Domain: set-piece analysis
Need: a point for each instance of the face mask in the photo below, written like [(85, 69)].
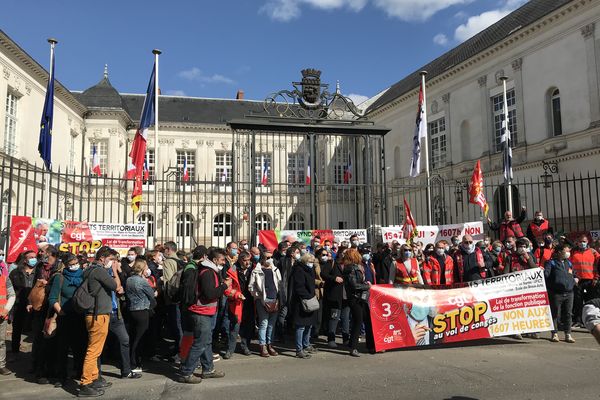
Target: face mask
[(355, 243), (233, 252), (567, 254), (327, 248), (366, 257), (309, 265), (548, 242), (497, 249), (407, 254), (1, 258), (419, 312), (270, 262), (256, 257), (297, 256), (303, 251), (469, 248), (74, 267), (440, 252), (539, 219), (455, 242), (32, 262), (131, 258), (447, 248), (108, 265), (542, 244), (509, 246), (147, 273), (583, 245), (316, 244), (282, 253), (521, 250), (324, 258), (245, 247), (486, 242)]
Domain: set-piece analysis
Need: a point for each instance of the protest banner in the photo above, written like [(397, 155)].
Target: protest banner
[(26, 233), (508, 304), (434, 233), (270, 239)]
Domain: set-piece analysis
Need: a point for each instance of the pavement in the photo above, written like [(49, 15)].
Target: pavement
[(499, 368)]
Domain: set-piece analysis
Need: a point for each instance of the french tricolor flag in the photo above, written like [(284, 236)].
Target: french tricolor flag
[(96, 162), (348, 171), (186, 172), (308, 171), (146, 170), (265, 172)]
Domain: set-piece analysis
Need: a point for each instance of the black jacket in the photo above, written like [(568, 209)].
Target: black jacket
[(334, 291), (303, 283), (356, 286), (560, 276), (286, 268), (101, 285), (382, 268)]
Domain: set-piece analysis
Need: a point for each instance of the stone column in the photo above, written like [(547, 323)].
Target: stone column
[(446, 100), (518, 77), (592, 47)]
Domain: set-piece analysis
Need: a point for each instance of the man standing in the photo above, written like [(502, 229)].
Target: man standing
[(171, 265), (585, 265), (7, 300), (199, 317), (509, 226), (468, 261), (538, 229), (561, 279)]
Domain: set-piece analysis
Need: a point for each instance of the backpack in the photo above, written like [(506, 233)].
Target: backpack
[(188, 287), (172, 286), (83, 300)]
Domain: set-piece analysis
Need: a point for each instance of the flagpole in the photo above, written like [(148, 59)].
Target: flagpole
[(426, 146), (46, 202), (508, 177), (156, 53)]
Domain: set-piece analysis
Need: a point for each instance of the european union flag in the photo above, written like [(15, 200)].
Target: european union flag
[(45, 144)]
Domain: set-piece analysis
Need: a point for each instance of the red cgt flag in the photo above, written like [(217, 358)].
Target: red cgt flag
[(409, 228), (476, 195)]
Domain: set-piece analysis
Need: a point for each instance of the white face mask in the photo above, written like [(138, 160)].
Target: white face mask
[(74, 267), (309, 265), (108, 265), (297, 256), (324, 258), (567, 254), (131, 258), (246, 247), (440, 252), (147, 273)]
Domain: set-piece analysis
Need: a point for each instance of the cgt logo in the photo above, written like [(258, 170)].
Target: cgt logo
[(459, 300)]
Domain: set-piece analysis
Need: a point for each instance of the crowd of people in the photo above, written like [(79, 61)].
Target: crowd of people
[(213, 303)]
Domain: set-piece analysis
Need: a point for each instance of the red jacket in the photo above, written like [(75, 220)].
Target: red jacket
[(234, 295), (585, 263), (432, 270), (543, 254)]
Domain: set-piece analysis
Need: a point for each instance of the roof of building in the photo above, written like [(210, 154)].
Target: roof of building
[(103, 94), (518, 19)]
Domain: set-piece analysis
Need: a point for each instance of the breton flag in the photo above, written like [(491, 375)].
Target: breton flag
[(409, 227), (348, 171), (476, 195), (264, 180), (96, 162), (420, 133), (506, 139), (308, 171), (186, 173), (138, 148), (45, 140)]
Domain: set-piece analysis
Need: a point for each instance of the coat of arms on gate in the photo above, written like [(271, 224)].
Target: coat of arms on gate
[(310, 88)]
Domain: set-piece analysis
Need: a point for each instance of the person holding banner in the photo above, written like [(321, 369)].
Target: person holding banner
[(405, 269), (357, 292), (438, 268), (521, 258), (561, 279)]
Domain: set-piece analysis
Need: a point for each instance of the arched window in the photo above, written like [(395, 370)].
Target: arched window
[(185, 225), (148, 220), (263, 222), (222, 225), (296, 222), (397, 163), (555, 113)]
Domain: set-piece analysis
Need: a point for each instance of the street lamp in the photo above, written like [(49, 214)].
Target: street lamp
[(458, 191), (550, 168)]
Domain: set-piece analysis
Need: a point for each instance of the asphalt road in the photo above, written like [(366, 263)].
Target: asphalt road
[(500, 368)]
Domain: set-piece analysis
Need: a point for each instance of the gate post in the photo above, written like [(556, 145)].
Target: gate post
[(313, 192), (368, 206)]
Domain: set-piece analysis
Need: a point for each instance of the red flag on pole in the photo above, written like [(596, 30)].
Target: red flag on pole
[(476, 195), (409, 228)]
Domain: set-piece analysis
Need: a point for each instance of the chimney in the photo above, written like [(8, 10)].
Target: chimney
[(239, 95)]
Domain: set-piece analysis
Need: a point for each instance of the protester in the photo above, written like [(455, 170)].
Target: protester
[(468, 261), (7, 300), (265, 283), (335, 303), (561, 279), (496, 254), (127, 262), (585, 265), (544, 250), (406, 270), (303, 283), (141, 301), (245, 268), (22, 279), (489, 259), (538, 229), (386, 263), (509, 226), (521, 258), (171, 265), (235, 302), (438, 267), (286, 268), (357, 290)]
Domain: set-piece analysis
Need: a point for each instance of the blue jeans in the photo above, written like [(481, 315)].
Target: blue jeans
[(116, 326), (234, 329), (302, 337), (174, 323), (201, 349), (266, 324), (336, 315)]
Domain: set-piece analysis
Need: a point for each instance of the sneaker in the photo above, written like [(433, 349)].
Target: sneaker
[(534, 335), (310, 349), (5, 371), (302, 354), (193, 379), (101, 384), (89, 391), (555, 338), (137, 370), (227, 355), (332, 345), (212, 374), (216, 357), (60, 383), (518, 337), (246, 351), (569, 338), (131, 375), (354, 353)]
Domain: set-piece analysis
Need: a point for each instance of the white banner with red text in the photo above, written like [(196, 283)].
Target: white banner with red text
[(434, 233)]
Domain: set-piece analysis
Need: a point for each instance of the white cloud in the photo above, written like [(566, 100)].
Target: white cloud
[(440, 39), (357, 98), (175, 92), (416, 10), (477, 23), (196, 74)]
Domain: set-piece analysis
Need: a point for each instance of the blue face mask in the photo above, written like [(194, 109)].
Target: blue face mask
[(419, 312), (256, 258), (234, 252), (1, 258), (407, 254), (366, 257), (32, 262)]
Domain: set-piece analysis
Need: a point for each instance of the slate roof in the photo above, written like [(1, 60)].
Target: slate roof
[(520, 18), (103, 94)]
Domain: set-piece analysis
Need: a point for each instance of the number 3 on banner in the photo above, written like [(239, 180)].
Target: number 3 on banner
[(387, 310)]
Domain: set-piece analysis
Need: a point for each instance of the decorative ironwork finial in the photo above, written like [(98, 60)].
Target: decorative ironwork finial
[(105, 71)]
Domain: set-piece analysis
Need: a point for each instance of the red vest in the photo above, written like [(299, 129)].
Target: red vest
[(461, 267), (543, 254), (205, 306), (510, 228), (405, 277), (539, 230), (583, 263), (3, 292), (432, 271)]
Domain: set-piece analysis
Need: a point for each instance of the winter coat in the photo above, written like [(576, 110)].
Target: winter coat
[(560, 276), (303, 283), (256, 286), (334, 292), (357, 288), (234, 294)]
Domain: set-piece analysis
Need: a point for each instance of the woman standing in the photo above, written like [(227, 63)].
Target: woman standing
[(70, 330), (264, 286), (335, 302), (357, 290), (303, 283), (140, 297), (22, 279)]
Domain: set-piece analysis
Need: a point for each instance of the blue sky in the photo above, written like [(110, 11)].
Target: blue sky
[(212, 48)]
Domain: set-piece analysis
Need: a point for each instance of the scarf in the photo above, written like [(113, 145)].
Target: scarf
[(73, 278)]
